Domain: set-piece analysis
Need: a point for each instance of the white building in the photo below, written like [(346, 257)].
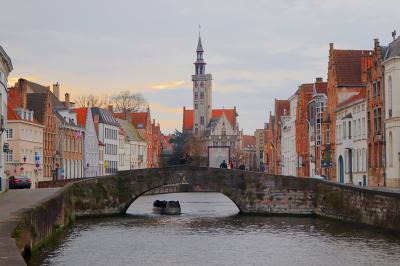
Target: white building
[(137, 146), (90, 144), (391, 65), (288, 141), (351, 140), (107, 128), (5, 69), (124, 150)]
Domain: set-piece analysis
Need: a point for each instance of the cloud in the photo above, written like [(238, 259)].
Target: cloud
[(157, 107), (168, 85)]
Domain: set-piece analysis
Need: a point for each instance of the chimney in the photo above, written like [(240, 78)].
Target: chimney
[(110, 108), (23, 86), (331, 46), (56, 90), (319, 80), (66, 102)]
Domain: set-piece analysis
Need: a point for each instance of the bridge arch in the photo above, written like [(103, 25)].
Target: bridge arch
[(252, 192)]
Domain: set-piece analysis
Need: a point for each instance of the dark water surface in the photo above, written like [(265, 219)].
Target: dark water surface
[(210, 233)]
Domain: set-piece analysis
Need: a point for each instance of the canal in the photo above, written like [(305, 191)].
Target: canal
[(209, 232)]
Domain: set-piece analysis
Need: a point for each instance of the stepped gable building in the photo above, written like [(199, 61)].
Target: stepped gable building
[(347, 76), (282, 107), (375, 117), (216, 127), (391, 72)]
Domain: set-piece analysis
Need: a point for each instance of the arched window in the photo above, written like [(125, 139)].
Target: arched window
[(390, 96), (390, 149)]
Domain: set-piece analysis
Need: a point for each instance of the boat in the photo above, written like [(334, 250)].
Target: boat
[(167, 207)]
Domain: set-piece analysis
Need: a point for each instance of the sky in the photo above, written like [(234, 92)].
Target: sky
[(256, 50)]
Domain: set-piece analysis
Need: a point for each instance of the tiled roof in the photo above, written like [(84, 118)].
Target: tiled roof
[(361, 95), (347, 65), (248, 141), (321, 87), (37, 88), (140, 119), (105, 116), (37, 103), (393, 49), (188, 117), (11, 114), (81, 115), (130, 131), (280, 106)]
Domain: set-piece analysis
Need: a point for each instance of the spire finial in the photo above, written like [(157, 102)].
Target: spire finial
[(199, 30)]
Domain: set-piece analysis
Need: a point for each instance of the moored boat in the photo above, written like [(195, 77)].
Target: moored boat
[(167, 207)]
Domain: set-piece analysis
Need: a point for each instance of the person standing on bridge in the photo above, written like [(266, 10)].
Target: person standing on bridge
[(223, 164)]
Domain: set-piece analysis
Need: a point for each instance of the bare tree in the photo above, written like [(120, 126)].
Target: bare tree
[(92, 101), (195, 148), (238, 157), (129, 101)]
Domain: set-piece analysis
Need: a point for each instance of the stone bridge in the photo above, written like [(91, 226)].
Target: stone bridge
[(253, 193)]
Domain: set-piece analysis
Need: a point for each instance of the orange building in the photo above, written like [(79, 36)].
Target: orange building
[(375, 118), (272, 151), (347, 76)]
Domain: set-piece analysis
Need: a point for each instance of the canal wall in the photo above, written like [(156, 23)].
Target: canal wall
[(253, 193)]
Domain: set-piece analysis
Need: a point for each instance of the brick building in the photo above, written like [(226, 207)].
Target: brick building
[(375, 112), (347, 75)]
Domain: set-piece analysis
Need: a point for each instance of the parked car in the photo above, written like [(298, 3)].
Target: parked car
[(15, 182)]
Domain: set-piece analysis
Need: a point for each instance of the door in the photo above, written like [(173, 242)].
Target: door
[(341, 169)]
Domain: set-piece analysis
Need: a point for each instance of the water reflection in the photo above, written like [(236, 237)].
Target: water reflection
[(209, 231)]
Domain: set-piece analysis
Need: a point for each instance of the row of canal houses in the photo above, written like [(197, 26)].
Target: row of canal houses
[(347, 128), (46, 138)]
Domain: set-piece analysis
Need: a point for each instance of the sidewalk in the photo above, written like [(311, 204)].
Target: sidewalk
[(12, 203)]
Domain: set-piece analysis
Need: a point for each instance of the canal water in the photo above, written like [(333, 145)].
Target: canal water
[(209, 232)]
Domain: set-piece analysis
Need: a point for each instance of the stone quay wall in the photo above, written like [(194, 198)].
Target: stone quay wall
[(253, 193)]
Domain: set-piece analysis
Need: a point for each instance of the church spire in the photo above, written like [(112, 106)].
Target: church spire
[(200, 64)]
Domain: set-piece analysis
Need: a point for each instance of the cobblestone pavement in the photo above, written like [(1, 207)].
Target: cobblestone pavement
[(13, 203)]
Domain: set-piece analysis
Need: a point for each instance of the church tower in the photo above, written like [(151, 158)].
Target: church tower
[(202, 93)]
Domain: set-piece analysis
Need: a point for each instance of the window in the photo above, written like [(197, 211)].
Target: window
[(368, 122), (9, 156), (349, 129), (201, 120), (328, 134), (10, 133), (202, 95), (195, 95), (196, 106), (223, 132)]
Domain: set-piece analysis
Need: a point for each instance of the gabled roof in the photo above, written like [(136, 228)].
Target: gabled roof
[(81, 116), (248, 141), (188, 117), (105, 116), (140, 119), (280, 107), (37, 103), (37, 88), (362, 95), (130, 131), (393, 49), (348, 66), (11, 114)]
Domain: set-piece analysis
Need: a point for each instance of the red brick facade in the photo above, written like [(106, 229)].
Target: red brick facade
[(375, 116)]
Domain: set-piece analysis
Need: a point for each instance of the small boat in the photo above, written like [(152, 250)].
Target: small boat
[(167, 207)]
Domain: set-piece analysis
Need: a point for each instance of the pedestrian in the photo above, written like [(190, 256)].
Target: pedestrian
[(230, 165), (223, 165)]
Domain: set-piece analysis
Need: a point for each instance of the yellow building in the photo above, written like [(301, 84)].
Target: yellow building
[(25, 139)]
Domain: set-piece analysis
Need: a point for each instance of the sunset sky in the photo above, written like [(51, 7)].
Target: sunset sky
[(255, 50)]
